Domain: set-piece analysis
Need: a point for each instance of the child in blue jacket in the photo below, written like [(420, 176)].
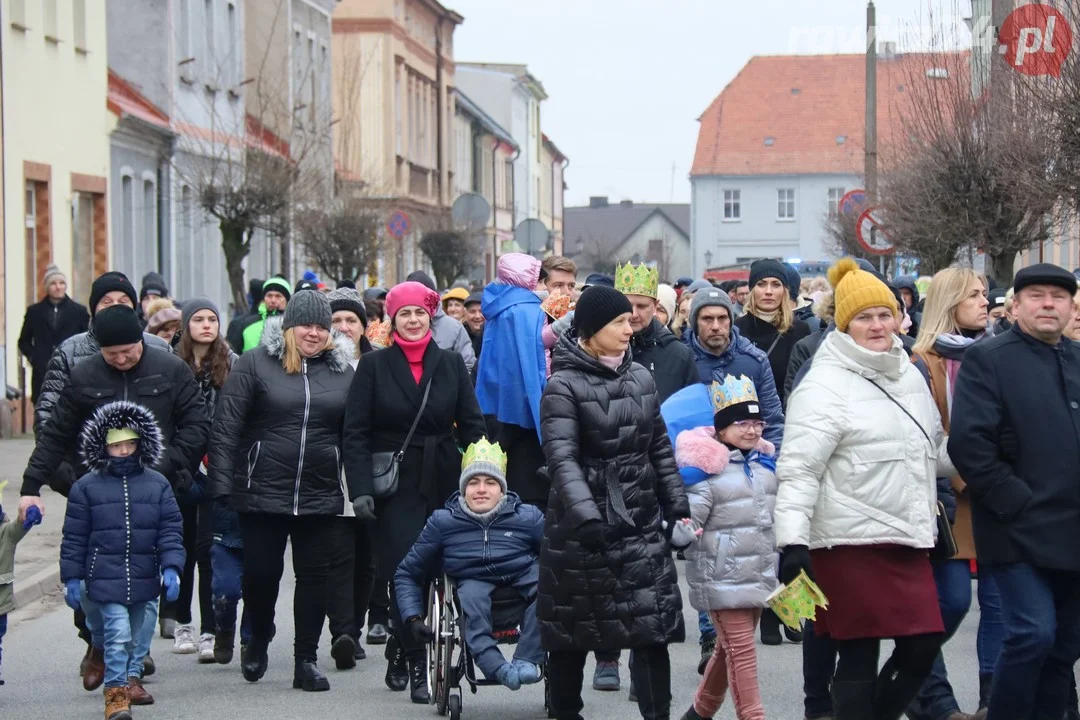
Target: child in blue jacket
[(123, 537), (484, 538)]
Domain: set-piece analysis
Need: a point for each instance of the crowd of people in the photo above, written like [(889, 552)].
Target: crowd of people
[(877, 435)]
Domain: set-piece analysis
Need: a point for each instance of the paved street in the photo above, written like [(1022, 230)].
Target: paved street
[(41, 655)]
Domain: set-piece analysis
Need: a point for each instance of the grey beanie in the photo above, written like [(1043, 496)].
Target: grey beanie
[(193, 306), (481, 468), (307, 307), (348, 299), (713, 297), (698, 285)]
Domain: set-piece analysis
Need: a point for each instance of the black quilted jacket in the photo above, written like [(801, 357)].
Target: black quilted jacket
[(609, 459), (275, 445)]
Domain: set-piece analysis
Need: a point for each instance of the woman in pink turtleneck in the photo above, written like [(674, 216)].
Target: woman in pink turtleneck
[(408, 306)]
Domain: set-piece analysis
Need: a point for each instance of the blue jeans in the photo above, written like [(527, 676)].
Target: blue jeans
[(119, 628), (227, 581), (475, 599), (991, 631), (953, 578), (3, 632), (705, 627), (1041, 611)]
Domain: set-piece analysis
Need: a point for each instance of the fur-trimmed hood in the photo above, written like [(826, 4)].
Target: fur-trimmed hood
[(699, 448), (273, 339), (121, 414)]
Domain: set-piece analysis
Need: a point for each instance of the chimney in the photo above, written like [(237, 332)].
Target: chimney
[(890, 52), (598, 201), (626, 203)]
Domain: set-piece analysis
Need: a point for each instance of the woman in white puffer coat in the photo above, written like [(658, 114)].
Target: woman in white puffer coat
[(856, 507)]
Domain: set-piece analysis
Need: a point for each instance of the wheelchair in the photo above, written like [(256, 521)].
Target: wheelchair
[(449, 660)]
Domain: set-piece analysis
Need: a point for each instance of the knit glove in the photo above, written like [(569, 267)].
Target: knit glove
[(420, 631), (364, 506), (184, 481), (33, 517), (560, 326), (681, 534), (171, 580), (796, 558), (73, 593), (591, 535), (63, 479)]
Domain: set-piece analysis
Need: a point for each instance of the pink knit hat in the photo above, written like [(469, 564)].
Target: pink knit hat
[(411, 293)]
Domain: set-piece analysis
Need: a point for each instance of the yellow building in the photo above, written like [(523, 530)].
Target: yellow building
[(56, 161), (393, 71)]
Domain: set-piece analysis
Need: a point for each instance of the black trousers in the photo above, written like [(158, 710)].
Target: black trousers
[(651, 672), (399, 521), (353, 574), (198, 553), (315, 540), (857, 660)]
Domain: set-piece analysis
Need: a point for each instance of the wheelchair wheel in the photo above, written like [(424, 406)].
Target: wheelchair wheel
[(455, 707), (434, 671), (547, 699)]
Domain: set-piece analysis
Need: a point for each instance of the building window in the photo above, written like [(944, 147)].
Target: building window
[(785, 204), (17, 11), (732, 205), (312, 99), (185, 249), (834, 197), (82, 243), (397, 109), (79, 35), (149, 229), (235, 49), (211, 53), (298, 66), (127, 219), (49, 21), (508, 180)]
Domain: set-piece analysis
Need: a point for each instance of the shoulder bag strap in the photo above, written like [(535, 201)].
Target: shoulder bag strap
[(899, 405), (415, 422), (768, 353)]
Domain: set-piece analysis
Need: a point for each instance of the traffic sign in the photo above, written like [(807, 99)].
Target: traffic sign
[(853, 202), (869, 232), (399, 225)]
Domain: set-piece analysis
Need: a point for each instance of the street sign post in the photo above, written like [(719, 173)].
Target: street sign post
[(853, 202), (869, 232), (399, 225)]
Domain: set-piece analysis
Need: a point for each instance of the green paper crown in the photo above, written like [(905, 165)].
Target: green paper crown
[(732, 392), (798, 601), (483, 451), (640, 280)]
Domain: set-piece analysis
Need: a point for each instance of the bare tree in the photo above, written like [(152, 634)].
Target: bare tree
[(452, 255), (840, 236), (342, 241)]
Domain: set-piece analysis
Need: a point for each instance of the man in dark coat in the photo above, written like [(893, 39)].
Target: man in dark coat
[(654, 347), (474, 322), (235, 333), (49, 323), (1015, 439)]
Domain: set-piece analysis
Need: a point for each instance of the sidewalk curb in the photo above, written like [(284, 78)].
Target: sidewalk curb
[(36, 586)]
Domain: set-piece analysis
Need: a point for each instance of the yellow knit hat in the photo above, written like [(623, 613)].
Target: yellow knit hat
[(856, 290)]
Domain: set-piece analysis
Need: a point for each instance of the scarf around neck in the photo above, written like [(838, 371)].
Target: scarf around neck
[(952, 347), (414, 353)]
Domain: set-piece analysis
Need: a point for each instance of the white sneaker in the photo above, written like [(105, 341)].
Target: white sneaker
[(206, 648), (184, 644)]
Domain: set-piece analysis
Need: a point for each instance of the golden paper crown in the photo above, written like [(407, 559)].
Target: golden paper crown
[(378, 333), (732, 391), (486, 452), (640, 280)]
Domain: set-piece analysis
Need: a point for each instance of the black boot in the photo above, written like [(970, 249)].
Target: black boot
[(794, 636), (895, 689), (418, 680), (255, 660), (397, 676), (344, 652), (770, 629), (853, 700), (986, 680), (691, 714), (223, 646), (307, 677)]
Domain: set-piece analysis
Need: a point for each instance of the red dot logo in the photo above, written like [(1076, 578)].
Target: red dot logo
[(1036, 40)]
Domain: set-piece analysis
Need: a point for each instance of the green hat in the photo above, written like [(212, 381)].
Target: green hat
[(120, 435)]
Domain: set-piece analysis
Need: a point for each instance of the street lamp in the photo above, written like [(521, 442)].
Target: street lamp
[(708, 259)]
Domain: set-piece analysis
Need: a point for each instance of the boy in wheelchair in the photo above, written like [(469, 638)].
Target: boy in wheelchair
[(484, 538)]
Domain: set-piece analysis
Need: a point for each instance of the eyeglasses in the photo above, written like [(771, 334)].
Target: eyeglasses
[(748, 425)]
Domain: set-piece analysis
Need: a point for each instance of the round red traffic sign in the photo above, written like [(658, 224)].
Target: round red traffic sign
[(399, 225), (853, 202), (869, 233)]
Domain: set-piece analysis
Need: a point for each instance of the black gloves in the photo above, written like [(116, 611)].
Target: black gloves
[(420, 630), (63, 479), (796, 558), (591, 535), (364, 507), (184, 481)]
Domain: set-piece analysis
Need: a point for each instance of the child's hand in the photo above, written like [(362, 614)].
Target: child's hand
[(73, 593), (683, 534), (33, 517), (171, 580)]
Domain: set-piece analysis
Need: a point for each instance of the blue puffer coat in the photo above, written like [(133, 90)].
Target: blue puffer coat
[(742, 357), (121, 532), (465, 549)]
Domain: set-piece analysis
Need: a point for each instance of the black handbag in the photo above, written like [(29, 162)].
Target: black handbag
[(384, 465), (945, 547)]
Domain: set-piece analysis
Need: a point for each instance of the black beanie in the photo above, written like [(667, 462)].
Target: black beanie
[(762, 269), (255, 290), (106, 283), (423, 278), (596, 307), (117, 325)]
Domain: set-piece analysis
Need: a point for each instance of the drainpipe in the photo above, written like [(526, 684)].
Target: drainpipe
[(439, 105), (562, 202), (513, 190)]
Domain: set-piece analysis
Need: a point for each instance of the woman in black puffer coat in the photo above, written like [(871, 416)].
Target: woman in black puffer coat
[(607, 580), (276, 455)]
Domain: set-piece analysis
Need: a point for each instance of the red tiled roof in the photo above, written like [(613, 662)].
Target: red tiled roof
[(805, 102), (124, 99)]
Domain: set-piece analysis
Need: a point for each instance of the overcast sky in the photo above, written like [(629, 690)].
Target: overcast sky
[(627, 79)]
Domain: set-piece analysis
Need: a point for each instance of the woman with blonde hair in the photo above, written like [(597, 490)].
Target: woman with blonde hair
[(955, 317), (682, 313), (275, 457)]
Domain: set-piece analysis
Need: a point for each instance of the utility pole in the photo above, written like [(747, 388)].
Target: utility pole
[(870, 168)]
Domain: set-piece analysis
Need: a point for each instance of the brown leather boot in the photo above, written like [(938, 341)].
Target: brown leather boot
[(94, 673), (117, 705), (137, 693)]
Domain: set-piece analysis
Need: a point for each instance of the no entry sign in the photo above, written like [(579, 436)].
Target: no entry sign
[(870, 235)]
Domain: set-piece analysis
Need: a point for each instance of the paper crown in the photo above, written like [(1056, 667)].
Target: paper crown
[(557, 305), (485, 452), (378, 333), (640, 280), (733, 391)]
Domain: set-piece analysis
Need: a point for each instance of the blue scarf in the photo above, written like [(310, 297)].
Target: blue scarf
[(125, 466)]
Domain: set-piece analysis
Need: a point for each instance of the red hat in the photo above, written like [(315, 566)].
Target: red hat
[(411, 293)]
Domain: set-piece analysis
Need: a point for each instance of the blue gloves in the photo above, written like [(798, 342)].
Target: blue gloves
[(171, 580), (33, 517), (73, 593)]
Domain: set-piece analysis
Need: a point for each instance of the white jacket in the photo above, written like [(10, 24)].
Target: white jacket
[(854, 469)]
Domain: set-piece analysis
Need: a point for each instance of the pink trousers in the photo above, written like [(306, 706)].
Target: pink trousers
[(733, 665)]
